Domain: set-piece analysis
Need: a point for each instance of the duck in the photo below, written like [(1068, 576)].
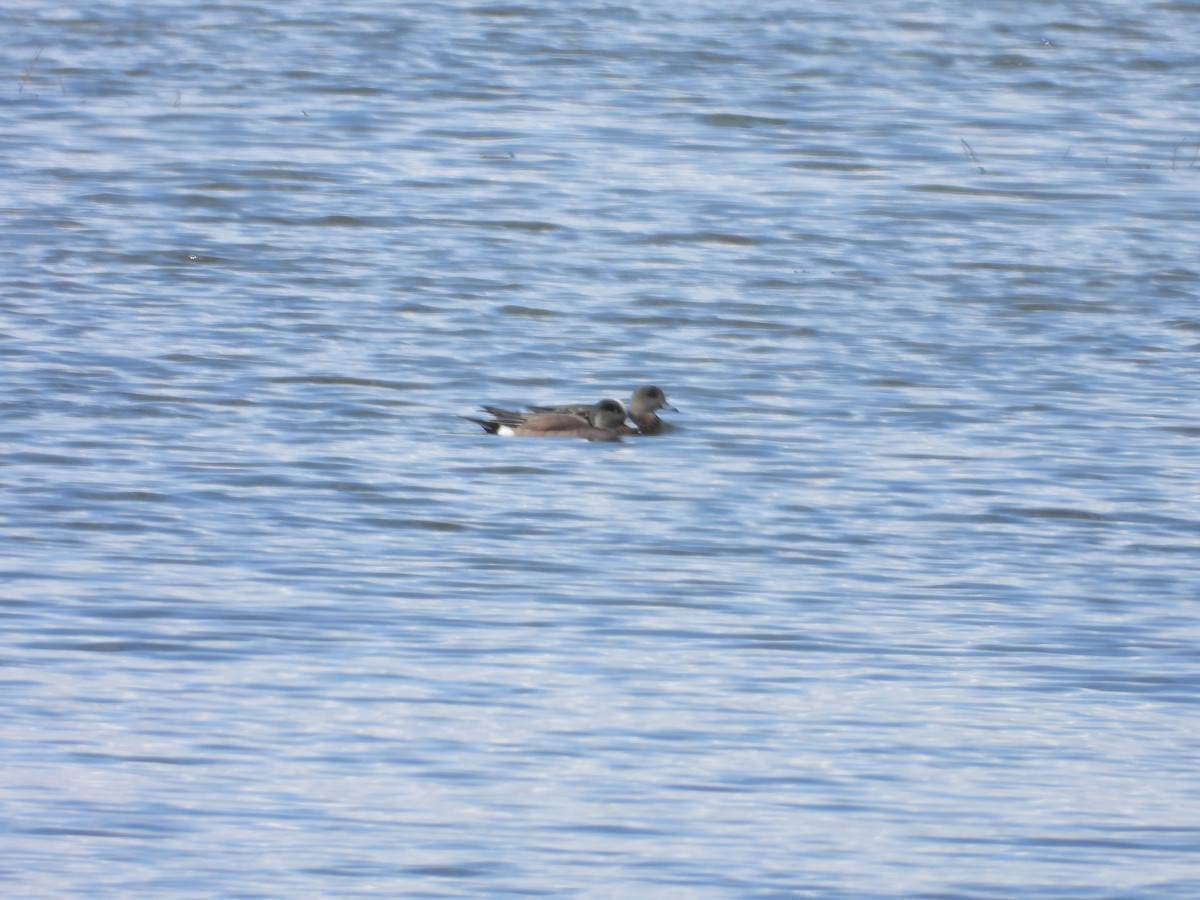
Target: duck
[(643, 408), (600, 422)]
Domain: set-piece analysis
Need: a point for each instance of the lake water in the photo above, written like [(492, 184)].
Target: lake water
[(906, 605)]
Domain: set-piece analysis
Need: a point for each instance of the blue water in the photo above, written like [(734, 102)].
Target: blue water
[(905, 605)]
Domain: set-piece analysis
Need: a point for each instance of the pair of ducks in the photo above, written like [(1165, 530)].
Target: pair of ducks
[(605, 421)]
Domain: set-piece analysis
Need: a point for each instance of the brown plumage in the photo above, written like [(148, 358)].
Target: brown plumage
[(643, 406), (599, 424)]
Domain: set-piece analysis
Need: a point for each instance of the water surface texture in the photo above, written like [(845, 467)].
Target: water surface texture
[(906, 605)]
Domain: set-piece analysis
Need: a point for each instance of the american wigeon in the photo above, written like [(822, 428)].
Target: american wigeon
[(643, 405), (600, 422)]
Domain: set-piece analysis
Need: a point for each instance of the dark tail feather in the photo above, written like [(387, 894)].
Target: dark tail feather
[(509, 417), (489, 427)]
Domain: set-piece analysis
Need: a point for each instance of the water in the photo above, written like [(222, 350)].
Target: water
[(906, 605)]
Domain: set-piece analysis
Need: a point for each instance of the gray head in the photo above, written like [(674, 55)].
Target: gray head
[(647, 399), (609, 414)]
